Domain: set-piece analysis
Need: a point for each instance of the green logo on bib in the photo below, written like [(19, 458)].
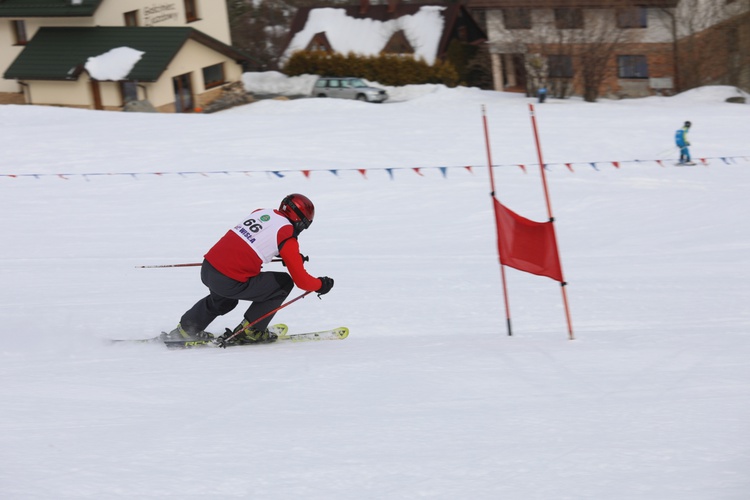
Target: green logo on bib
[(265, 218)]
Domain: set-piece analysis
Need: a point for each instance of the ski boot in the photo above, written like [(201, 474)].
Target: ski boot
[(180, 336), (246, 336)]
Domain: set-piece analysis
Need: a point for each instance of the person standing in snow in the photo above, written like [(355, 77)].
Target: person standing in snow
[(232, 272), (680, 138), (542, 93)]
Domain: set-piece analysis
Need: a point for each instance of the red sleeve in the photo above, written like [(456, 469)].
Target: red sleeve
[(293, 260)]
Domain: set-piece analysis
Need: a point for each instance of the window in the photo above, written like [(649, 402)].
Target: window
[(560, 66), (213, 76), (517, 18), (568, 19), (398, 44), (317, 47), (632, 17), (319, 42), (129, 91), (191, 10), (131, 18), (632, 67), (19, 30)]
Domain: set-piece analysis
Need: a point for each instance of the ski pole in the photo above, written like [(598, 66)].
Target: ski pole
[(666, 151), (222, 342), (305, 258), (170, 265)]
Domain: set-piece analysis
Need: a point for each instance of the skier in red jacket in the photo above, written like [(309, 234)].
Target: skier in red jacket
[(232, 272)]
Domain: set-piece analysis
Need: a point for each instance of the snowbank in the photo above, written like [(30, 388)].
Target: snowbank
[(273, 82)]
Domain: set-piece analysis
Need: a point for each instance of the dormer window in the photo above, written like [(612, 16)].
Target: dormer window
[(319, 43), (398, 44)]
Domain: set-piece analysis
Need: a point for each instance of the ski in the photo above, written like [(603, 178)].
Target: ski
[(280, 330), (339, 333)]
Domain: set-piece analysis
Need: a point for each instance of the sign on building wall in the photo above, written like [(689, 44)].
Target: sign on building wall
[(156, 14)]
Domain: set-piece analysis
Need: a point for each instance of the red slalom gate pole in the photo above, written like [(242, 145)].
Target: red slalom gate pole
[(551, 218), (223, 342), (494, 210)]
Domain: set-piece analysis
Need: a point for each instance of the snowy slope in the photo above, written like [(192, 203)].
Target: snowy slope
[(428, 397)]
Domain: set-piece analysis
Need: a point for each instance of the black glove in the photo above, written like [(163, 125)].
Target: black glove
[(326, 286)]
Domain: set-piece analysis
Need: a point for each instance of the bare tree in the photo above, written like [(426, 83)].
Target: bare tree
[(596, 53), (695, 48)]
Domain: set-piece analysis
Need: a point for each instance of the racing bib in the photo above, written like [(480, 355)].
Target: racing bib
[(260, 231)]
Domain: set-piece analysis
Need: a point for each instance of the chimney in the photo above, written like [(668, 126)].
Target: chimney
[(392, 6), (363, 6)]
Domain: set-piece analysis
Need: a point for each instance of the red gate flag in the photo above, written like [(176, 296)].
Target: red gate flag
[(526, 245)]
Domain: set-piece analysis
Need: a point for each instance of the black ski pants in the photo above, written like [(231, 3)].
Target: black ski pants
[(267, 291)]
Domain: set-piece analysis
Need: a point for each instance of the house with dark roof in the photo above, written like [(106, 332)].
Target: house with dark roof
[(422, 30), (103, 54)]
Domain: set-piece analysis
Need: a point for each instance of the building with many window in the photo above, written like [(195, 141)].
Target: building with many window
[(616, 48), (174, 53)]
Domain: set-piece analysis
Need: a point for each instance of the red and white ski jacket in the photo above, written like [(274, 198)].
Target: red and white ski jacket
[(242, 251)]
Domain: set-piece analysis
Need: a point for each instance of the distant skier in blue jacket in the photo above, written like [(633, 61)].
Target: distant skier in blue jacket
[(680, 138)]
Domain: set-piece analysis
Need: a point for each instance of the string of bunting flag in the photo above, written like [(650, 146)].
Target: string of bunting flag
[(596, 165)]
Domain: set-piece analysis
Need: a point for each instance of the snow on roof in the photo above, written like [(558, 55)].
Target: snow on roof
[(368, 36), (113, 65)]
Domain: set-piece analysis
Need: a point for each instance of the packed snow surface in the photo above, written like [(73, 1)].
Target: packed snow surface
[(428, 397)]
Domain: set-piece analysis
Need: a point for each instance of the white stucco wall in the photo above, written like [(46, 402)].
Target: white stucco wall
[(77, 93)]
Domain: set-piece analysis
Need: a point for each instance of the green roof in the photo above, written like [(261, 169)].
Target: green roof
[(47, 8), (61, 53)]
